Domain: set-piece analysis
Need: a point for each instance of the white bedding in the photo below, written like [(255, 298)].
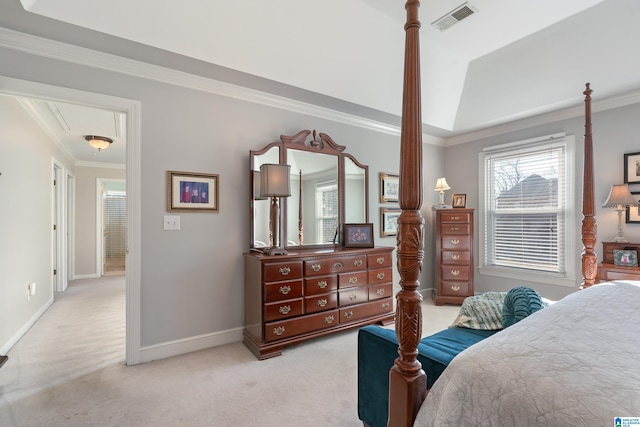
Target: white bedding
[(575, 363)]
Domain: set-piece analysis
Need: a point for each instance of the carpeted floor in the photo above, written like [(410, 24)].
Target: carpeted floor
[(68, 370)]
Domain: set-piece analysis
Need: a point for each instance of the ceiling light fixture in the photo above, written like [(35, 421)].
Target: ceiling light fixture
[(98, 142)]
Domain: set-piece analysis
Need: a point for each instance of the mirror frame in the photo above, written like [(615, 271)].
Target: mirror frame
[(320, 143)]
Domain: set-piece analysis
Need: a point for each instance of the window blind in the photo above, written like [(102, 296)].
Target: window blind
[(525, 203), (326, 211)]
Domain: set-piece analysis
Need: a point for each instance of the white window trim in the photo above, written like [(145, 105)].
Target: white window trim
[(563, 279)]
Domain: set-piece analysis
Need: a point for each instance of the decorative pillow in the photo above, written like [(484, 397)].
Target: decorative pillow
[(483, 311), (519, 303)]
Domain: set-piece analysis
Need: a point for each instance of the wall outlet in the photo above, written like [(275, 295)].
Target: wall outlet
[(31, 288)]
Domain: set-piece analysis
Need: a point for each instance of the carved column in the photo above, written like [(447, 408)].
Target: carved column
[(589, 226), (407, 380)]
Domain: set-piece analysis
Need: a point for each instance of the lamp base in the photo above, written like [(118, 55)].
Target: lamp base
[(275, 251), (620, 239)]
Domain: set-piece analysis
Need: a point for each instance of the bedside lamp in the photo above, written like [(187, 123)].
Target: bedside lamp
[(620, 198), (441, 186), (275, 182)]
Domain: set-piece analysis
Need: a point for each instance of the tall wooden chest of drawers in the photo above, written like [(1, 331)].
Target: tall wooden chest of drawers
[(454, 255), (309, 293)]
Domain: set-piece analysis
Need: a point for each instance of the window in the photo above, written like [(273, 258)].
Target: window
[(527, 206), (327, 211)]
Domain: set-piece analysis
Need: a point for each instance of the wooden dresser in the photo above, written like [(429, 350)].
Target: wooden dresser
[(454, 255), (609, 271), (307, 294)]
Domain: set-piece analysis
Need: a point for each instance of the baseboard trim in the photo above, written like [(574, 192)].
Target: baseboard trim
[(85, 276), (23, 330), (188, 345)]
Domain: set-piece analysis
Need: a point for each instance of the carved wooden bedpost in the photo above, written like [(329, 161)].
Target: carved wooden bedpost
[(589, 226), (407, 380)]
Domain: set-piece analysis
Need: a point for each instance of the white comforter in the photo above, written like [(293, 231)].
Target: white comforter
[(575, 363)]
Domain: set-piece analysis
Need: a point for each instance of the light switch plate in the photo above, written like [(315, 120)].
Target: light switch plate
[(171, 222)]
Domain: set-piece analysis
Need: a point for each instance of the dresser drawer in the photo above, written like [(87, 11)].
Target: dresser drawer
[(457, 217), (454, 228), (334, 265), (375, 277), (283, 290), (320, 303), (456, 289), (320, 284), (456, 257), (379, 260), (283, 309), (352, 279), (302, 325), (454, 272), (274, 272), (369, 309), (352, 296), (451, 241), (380, 291)]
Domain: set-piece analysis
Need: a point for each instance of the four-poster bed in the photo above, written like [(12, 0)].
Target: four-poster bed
[(449, 402)]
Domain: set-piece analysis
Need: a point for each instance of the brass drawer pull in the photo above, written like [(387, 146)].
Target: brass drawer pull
[(329, 319), (315, 267), (385, 306), (380, 276), (285, 309), (353, 279), (455, 241), (380, 260), (279, 330), (455, 228), (455, 218), (455, 272), (455, 288), (322, 284), (455, 257), (322, 302), (353, 296), (285, 289), (380, 291), (348, 314), (285, 270), (357, 262)]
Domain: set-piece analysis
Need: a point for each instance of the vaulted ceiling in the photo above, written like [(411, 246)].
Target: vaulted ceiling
[(506, 61)]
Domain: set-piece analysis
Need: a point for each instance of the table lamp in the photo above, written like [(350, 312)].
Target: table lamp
[(275, 182), (441, 186), (620, 198)]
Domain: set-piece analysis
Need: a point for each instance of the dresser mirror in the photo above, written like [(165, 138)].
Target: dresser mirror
[(328, 189)]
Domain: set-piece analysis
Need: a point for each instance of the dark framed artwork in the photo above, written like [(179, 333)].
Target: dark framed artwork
[(625, 257), (389, 221), (632, 168), (192, 192), (358, 235), (633, 212), (459, 200), (389, 187)]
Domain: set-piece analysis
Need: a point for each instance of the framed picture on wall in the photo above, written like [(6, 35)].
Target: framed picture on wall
[(632, 168), (192, 192), (389, 187), (358, 235), (389, 221)]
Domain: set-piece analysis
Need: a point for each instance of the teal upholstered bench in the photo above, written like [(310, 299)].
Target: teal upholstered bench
[(378, 349)]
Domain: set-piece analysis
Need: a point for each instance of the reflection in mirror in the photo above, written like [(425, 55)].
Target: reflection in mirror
[(312, 209), (261, 228), (355, 188)]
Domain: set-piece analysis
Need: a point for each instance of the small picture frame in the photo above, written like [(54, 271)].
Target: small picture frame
[(625, 257), (633, 212), (389, 187), (192, 192), (358, 235), (389, 221), (459, 200), (632, 168)]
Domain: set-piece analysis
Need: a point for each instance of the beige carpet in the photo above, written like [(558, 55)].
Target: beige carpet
[(69, 370)]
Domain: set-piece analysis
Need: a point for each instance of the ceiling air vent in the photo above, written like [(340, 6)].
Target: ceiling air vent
[(456, 15)]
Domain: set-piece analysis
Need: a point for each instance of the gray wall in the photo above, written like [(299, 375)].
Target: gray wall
[(614, 133)]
